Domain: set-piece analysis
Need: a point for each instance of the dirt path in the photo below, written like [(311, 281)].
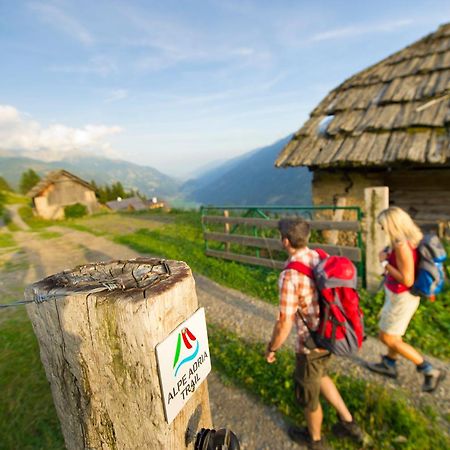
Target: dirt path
[(13, 211), (249, 317)]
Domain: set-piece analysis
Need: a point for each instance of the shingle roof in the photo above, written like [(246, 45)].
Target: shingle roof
[(393, 112), (53, 177), (132, 202)]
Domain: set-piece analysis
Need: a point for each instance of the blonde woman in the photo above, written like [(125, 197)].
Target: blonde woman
[(399, 263)]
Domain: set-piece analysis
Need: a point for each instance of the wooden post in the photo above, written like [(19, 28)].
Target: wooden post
[(97, 329), (376, 200), (226, 227), (332, 236)]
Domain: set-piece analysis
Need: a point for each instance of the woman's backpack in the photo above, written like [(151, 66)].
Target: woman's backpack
[(430, 276), (341, 326)]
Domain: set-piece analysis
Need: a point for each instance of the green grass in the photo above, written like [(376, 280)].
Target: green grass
[(49, 234), (385, 416), (13, 198), (81, 227), (7, 240), (34, 222), (28, 418)]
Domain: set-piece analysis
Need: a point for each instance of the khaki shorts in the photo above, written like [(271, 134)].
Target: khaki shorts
[(309, 369), (397, 312)]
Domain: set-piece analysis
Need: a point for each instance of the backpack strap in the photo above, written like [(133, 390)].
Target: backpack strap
[(301, 268), (322, 253)]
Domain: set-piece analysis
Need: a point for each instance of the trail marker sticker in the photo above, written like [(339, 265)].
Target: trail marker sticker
[(183, 363)]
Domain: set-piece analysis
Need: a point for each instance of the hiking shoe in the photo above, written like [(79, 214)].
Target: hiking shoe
[(351, 430), (383, 368), (432, 380), (301, 436)]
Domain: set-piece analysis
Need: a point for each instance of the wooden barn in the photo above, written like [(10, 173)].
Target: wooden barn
[(388, 125), (59, 189)]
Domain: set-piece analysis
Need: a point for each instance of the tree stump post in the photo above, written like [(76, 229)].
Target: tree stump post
[(376, 200), (97, 328)]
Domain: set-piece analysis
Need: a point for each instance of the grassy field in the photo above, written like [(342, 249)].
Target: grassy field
[(387, 419), (28, 420)]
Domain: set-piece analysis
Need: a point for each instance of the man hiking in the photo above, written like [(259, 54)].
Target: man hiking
[(298, 291)]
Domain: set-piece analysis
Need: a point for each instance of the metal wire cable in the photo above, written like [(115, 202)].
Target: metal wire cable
[(114, 283)]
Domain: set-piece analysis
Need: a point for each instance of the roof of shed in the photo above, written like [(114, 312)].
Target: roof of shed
[(135, 203), (52, 178), (393, 112)]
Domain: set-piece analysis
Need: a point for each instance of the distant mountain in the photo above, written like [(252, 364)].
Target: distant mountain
[(252, 179), (147, 180)]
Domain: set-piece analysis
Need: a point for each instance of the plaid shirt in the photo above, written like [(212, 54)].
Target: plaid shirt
[(297, 289)]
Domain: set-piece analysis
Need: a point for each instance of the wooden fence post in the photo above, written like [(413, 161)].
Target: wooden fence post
[(97, 328), (226, 229), (332, 236), (376, 199)]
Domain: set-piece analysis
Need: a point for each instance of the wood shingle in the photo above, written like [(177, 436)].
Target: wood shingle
[(398, 107)]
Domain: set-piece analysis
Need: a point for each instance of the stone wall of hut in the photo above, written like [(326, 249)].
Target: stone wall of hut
[(424, 193)]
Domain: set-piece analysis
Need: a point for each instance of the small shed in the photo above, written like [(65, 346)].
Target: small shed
[(388, 125), (156, 203), (127, 204), (59, 189)]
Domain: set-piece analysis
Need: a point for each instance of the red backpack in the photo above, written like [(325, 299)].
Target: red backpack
[(341, 326)]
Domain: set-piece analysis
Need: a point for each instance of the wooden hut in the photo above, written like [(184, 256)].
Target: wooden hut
[(388, 125), (59, 189)]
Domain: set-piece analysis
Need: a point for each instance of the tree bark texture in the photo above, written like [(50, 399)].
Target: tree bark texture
[(97, 328)]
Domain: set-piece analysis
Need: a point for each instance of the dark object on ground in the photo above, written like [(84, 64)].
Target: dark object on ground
[(383, 368), (223, 439), (301, 436), (351, 430), (432, 380)]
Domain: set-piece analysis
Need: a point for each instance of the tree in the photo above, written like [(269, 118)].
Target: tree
[(28, 180), (107, 192), (4, 185)]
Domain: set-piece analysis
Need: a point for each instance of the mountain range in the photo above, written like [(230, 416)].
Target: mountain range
[(250, 179), (102, 170)]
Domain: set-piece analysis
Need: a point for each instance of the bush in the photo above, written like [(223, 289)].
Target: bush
[(75, 210)]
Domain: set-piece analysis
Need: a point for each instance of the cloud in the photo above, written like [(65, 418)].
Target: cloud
[(62, 21), (20, 133), (361, 29)]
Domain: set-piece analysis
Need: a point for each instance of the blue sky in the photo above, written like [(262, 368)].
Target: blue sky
[(179, 84)]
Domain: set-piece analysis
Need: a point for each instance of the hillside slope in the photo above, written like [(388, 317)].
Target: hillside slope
[(252, 179), (147, 180)]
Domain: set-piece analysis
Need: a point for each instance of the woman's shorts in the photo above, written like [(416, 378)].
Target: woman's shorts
[(397, 312), (309, 369)]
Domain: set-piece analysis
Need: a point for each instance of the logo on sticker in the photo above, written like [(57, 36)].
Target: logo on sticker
[(190, 349)]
